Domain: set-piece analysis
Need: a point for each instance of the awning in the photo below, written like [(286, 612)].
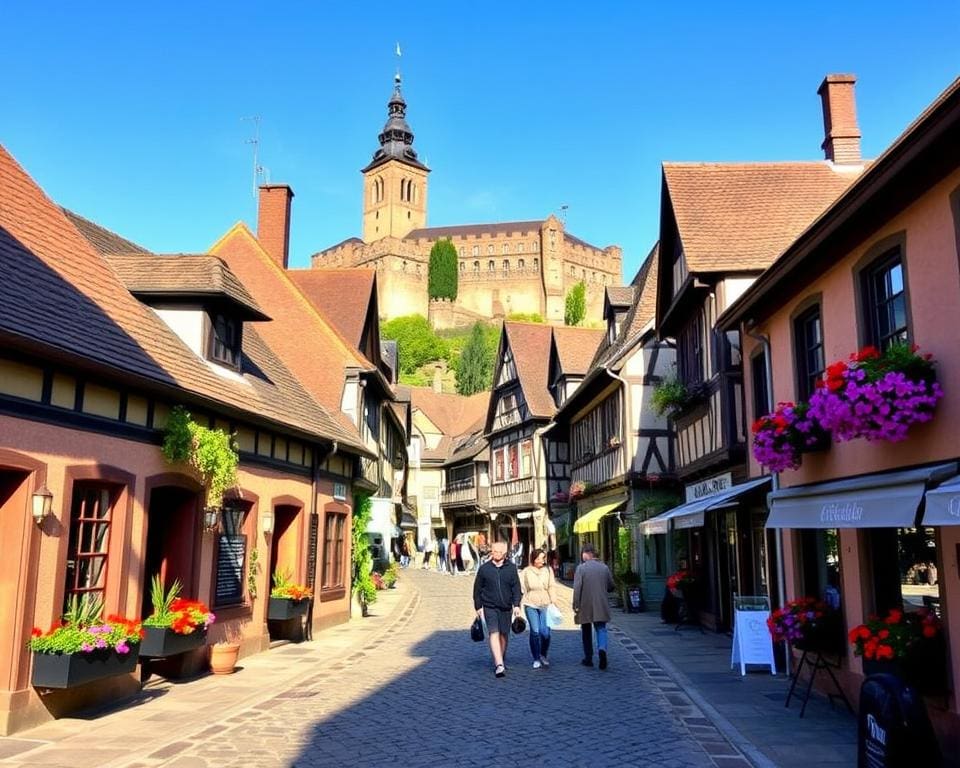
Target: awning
[(407, 521), (887, 500), (692, 514), (943, 504), (590, 522)]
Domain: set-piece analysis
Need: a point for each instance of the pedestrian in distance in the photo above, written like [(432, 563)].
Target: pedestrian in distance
[(591, 610), (496, 599), (537, 584), (427, 551), (404, 553)]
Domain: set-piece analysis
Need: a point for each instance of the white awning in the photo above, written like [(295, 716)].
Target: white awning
[(887, 500), (692, 514), (943, 504)]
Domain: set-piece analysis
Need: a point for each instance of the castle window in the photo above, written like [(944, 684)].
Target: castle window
[(536, 263), (461, 251), (403, 188), (535, 246), (583, 274), (476, 250), (573, 270), (506, 247), (491, 266), (593, 277), (462, 266), (416, 193), (476, 267), (520, 264), (519, 247), (506, 265), (490, 249), (403, 266)]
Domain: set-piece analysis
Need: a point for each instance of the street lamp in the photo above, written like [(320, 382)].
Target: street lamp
[(211, 519), (266, 522), (42, 503)]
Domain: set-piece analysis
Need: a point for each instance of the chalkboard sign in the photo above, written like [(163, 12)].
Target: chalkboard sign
[(312, 550), (231, 554)]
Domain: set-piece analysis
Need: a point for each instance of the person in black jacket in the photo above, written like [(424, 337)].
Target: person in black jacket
[(496, 598)]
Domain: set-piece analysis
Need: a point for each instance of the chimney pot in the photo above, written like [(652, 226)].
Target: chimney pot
[(841, 142), (273, 221)]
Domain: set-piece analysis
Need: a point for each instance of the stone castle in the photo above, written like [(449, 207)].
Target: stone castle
[(505, 268)]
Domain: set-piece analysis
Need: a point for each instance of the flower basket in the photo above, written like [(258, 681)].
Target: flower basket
[(683, 583), (160, 642), (285, 608), (780, 438), (808, 624), (876, 395), (68, 670), (909, 645)]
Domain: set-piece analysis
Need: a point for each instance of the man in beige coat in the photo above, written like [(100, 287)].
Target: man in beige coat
[(591, 609)]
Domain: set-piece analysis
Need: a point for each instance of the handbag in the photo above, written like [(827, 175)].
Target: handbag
[(554, 617), (476, 630)]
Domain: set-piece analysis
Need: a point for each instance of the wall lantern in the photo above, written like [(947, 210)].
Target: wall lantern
[(42, 503), (211, 519), (266, 522)]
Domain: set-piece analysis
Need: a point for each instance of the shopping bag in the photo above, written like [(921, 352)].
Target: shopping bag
[(476, 630), (554, 617)]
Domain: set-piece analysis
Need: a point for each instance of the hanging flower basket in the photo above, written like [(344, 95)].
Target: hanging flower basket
[(876, 395), (808, 624), (780, 438)]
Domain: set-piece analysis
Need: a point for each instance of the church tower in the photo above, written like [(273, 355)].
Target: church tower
[(395, 181)]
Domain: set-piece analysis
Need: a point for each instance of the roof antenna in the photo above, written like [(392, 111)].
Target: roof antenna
[(255, 141), (563, 214)]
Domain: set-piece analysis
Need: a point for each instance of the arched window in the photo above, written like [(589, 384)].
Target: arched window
[(535, 246), (506, 265), (460, 251), (462, 266), (506, 247), (403, 266), (491, 267), (536, 263), (476, 267), (520, 264), (573, 270), (519, 247), (490, 249), (403, 189), (413, 197), (476, 250)]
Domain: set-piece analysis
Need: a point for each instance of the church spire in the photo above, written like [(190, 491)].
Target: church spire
[(396, 139)]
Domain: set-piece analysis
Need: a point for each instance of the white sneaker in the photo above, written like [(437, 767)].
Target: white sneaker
[(536, 665), (543, 662)]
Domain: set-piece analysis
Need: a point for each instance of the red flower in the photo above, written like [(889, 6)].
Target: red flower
[(894, 617), (867, 353), (884, 652), (36, 632), (883, 634), (929, 630)]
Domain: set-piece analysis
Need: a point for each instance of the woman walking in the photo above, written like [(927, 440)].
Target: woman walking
[(537, 583)]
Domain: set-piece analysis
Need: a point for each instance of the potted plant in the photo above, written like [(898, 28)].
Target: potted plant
[(876, 395), (909, 645), (808, 624), (287, 600), (212, 453), (780, 438), (390, 576), (223, 656), (578, 489), (366, 592), (83, 647), (176, 625), (669, 396)]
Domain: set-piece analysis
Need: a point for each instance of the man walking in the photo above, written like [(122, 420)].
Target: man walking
[(496, 598), (591, 610)]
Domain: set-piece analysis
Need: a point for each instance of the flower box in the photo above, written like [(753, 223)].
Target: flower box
[(68, 670), (924, 669), (780, 438), (283, 609), (159, 642)]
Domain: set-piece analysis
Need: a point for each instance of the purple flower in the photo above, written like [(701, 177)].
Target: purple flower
[(101, 643), (86, 647), (123, 648)]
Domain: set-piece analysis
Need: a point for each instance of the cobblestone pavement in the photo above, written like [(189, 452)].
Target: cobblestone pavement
[(420, 693)]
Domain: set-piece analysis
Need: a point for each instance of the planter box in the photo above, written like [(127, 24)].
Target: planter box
[(67, 670), (159, 642), (282, 609), (924, 669)]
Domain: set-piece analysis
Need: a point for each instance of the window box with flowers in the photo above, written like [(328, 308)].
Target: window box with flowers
[(908, 645), (176, 625), (83, 648), (808, 624), (578, 489), (876, 395), (782, 437), (287, 600)]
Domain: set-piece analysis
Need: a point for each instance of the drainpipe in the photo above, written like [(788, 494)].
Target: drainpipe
[(775, 476), (626, 429)]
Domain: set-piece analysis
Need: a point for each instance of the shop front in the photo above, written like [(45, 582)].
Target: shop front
[(599, 524), (718, 536)]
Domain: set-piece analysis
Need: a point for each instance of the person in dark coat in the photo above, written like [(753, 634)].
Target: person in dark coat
[(496, 599), (591, 609)]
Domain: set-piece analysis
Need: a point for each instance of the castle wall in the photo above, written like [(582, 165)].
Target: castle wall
[(402, 287)]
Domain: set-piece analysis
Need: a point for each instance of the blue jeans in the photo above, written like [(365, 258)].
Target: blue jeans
[(586, 634), (539, 631)]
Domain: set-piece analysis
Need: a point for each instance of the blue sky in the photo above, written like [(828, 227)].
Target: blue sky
[(131, 115)]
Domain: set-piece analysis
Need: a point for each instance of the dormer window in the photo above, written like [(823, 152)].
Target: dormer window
[(225, 340)]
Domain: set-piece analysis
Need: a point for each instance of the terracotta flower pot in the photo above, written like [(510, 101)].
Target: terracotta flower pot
[(223, 658)]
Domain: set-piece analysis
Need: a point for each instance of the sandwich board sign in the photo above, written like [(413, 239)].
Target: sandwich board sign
[(752, 643)]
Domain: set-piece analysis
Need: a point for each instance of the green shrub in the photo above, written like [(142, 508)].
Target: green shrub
[(525, 317), (669, 395), (575, 308), (417, 344)]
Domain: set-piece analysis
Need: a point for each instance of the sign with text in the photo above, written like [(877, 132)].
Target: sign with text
[(709, 487), (230, 558), (752, 643)]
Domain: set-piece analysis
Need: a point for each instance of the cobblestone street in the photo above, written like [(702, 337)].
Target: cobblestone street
[(413, 691)]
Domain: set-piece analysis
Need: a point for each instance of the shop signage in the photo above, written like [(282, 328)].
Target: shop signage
[(709, 487), (230, 556), (751, 637), (893, 726)]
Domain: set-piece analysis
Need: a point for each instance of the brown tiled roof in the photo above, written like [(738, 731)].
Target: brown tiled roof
[(476, 230), (530, 344), (468, 445), (441, 452), (343, 295), (102, 239), (576, 348), (740, 216), (620, 295), (58, 294), (146, 274), (299, 334), (452, 414)]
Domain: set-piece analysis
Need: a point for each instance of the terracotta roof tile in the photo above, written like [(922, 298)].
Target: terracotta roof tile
[(452, 414), (576, 348), (530, 344), (740, 216), (147, 274), (58, 293), (620, 295), (343, 295)]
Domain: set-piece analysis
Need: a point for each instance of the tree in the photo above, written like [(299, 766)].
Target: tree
[(442, 272), (576, 305), (475, 367), (417, 344)]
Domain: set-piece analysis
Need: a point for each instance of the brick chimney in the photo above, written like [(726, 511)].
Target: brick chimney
[(273, 221), (841, 142)]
